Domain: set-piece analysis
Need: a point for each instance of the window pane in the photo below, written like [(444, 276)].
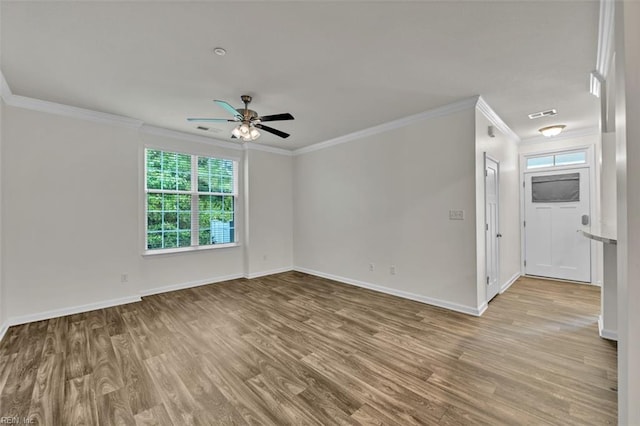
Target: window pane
[(154, 240), (154, 201), (215, 175), (536, 162), (571, 158), (184, 221), (168, 221), (154, 180), (561, 188), (169, 214), (168, 170), (154, 221), (216, 219)]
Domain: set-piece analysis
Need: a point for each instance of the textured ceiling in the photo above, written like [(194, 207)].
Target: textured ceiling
[(338, 67)]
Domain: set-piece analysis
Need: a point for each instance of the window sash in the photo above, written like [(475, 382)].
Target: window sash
[(195, 196), (556, 160)]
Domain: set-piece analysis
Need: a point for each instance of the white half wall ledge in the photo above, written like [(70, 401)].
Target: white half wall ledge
[(72, 310), (510, 282), (469, 310)]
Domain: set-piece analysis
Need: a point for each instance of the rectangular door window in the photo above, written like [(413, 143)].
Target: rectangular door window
[(562, 188)]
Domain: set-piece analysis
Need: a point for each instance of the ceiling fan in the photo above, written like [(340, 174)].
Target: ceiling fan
[(249, 121)]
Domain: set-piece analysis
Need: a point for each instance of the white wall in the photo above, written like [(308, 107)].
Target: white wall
[(270, 213), (69, 211), (627, 82), (592, 140), (166, 270), (558, 143), (505, 151), (3, 316), (385, 199), (608, 180), (73, 223)]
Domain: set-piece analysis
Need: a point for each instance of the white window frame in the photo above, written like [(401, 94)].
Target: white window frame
[(194, 193), (554, 154)]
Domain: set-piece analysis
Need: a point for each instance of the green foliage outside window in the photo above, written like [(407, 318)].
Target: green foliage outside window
[(170, 199)]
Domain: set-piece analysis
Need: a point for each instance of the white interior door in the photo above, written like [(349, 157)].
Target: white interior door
[(556, 203), (492, 227)]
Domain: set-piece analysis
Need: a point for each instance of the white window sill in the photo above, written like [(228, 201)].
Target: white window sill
[(188, 249)]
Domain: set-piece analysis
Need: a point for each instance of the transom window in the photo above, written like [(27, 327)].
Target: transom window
[(190, 200), (556, 160)]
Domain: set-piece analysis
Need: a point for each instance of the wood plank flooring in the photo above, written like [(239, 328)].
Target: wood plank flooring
[(292, 349)]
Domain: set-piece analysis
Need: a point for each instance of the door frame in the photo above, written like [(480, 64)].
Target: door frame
[(594, 194), (486, 237)]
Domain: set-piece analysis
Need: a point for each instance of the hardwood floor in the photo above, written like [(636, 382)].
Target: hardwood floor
[(296, 349)]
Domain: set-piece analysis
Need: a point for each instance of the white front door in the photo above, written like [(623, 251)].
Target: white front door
[(492, 227), (556, 206)]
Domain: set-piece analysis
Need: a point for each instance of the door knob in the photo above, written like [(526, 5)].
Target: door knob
[(499, 236)]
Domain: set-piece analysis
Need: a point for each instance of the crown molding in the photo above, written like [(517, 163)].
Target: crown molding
[(391, 125), (605, 37), (175, 134), (495, 119), (252, 146), (118, 120), (71, 111), (571, 134)]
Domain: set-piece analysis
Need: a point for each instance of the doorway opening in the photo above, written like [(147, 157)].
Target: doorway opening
[(557, 194)]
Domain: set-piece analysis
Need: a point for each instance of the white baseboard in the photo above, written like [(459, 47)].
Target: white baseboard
[(190, 284), (604, 333), (482, 308), (469, 310), (72, 310), (3, 330), (271, 272), (508, 284)]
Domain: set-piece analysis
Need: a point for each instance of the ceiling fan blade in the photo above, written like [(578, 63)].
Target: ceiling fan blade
[(210, 120), (272, 130), (276, 117), (229, 108)]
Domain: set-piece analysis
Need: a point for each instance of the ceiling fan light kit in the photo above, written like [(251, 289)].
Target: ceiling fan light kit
[(249, 121)]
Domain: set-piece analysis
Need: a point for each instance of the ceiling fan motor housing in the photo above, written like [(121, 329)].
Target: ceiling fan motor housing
[(247, 114)]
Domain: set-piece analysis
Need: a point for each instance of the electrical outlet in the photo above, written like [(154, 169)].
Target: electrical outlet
[(456, 214), (392, 269), (124, 278), (372, 267)]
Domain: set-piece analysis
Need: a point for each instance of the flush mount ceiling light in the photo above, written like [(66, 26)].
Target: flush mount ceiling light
[(551, 131), (220, 51)]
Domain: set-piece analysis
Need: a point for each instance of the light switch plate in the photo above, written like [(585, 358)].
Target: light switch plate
[(456, 214)]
